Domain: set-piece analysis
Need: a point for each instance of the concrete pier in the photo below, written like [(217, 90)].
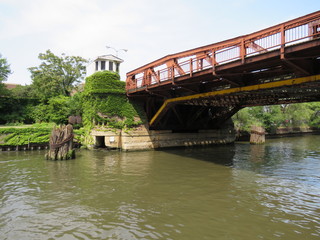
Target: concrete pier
[(144, 139)]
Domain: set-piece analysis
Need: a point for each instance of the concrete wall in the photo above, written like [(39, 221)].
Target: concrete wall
[(143, 139)]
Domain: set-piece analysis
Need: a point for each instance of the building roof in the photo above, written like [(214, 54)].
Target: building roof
[(11, 85), (108, 57)]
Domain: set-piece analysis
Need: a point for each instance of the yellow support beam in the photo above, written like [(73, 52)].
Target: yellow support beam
[(277, 84)]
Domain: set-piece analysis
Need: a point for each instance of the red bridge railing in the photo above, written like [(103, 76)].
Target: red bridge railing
[(277, 37)]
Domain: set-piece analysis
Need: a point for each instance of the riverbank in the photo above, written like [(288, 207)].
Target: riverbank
[(30, 137)]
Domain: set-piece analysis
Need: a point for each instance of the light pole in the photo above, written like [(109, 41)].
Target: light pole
[(117, 50)]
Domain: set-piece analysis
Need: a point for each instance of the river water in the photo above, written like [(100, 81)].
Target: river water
[(239, 191)]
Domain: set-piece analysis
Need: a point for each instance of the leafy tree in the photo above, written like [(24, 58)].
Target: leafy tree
[(20, 91), (4, 73), (298, 114), (56, 110), (314, 108), (4, 69), (75, 104), (57, 75)]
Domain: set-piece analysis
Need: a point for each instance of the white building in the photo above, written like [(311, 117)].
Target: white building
[(104, 62)]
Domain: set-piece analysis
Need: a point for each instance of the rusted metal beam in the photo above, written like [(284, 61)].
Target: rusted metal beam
[(264, 86)]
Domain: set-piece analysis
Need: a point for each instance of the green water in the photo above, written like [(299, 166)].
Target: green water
[(239, 191)]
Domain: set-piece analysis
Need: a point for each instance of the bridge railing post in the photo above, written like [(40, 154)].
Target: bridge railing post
[(213, 61), (242, 50), (283, 41)]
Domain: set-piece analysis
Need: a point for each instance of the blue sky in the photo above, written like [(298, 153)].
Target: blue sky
[(149, 29)]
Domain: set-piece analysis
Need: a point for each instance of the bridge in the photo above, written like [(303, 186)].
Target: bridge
[(203, 87)]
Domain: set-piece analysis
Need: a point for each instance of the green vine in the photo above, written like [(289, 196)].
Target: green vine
[(23, 136), (105, 103)]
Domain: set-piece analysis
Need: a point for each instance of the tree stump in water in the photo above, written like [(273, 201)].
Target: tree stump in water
[(257, 135), (61, 143)]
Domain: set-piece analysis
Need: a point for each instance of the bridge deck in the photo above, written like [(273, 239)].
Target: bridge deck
[(280, 49)]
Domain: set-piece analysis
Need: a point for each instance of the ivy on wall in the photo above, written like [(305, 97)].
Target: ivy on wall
[(105, 102), (104, 82)]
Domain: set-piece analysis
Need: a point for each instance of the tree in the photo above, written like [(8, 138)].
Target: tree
[(4, 73), (57, 75), (20, 91), (4, 69)]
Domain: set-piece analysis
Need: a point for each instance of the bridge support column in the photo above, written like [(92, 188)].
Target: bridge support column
[(142, 138), (257, 135)]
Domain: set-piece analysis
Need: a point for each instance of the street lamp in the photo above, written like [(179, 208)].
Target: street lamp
[(117, 50)]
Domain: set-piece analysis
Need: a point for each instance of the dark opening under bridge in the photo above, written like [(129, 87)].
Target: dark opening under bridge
[(203, 87)]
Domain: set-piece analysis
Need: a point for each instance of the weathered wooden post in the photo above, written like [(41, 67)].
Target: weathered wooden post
[(257, 135), (61, 143)]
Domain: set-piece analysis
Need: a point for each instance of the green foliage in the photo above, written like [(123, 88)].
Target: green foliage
[(57, 75), (104, 82), (315, 114), (16, 109), (243, 120), (297, 115), (105, 102), (23, 92), (40, 113), (4, 69), (56, 110), (4, 73), (270, 117), (285, 115), (75, 104), (23, 136)]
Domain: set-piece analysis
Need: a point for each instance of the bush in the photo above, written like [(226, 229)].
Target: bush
[(23, 136)]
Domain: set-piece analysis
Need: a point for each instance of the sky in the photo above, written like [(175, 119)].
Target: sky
[(148, 29)]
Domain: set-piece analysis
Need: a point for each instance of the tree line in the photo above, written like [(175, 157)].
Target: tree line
[(52, 95)]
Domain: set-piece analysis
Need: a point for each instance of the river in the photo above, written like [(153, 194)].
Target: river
[(239, 191)]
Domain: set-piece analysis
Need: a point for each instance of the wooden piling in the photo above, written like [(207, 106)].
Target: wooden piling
[(257, 135), (61, 143)]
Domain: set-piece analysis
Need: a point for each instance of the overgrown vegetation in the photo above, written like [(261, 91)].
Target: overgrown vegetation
[(277, 116), (105, 103), (24, 136), (37, 133)]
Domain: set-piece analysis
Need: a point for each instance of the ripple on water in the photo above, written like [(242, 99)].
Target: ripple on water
[(268, 192)]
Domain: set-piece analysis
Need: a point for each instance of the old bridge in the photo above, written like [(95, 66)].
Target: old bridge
[(203, 87)]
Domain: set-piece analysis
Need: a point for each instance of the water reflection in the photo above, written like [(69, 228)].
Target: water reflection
[(220, 154)]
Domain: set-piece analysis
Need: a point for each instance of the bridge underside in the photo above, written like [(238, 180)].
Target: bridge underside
[(210, 110)]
